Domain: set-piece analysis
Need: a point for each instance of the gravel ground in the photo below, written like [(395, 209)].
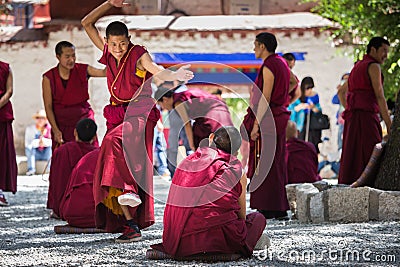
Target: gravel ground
[(27, 239)]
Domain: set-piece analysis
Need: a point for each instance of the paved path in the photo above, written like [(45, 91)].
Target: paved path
[(27, 239)]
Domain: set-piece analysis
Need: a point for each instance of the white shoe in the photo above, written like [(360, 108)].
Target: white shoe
[(129, 199), (30, 173), (263, 243)]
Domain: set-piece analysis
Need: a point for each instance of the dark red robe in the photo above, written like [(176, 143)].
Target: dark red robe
[(63, 161), (302, 161), (201, 215), (70, 103), (208, 112), (362, 130), (125, 160), (267, 186), (8, 162), (77, 206)]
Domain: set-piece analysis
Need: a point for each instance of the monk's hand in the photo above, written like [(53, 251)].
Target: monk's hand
[(183, 74), (58, 136), (255, 132), (118, 3)]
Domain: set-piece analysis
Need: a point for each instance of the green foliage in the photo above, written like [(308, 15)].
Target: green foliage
[(237, 108), (359, 21)]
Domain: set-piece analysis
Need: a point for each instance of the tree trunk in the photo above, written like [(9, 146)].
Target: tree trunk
[(388, 177)]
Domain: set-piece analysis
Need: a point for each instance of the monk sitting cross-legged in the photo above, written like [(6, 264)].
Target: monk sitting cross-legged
[(206, 209), (64, 160), (77, 206), (301, 158)]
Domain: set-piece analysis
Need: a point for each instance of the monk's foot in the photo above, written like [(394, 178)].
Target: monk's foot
[(53, 215), (130, 234), (263, 243)]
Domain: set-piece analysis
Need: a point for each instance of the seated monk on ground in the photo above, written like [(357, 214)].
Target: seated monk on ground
[(77, 206), (64, 160), (206, 209), (301, 158)]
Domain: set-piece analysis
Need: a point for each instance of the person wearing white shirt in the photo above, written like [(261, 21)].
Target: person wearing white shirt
[(37, 141)]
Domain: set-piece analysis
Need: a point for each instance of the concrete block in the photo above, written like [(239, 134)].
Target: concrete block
[(303, 195), (40, 166), (347, 204), (291, 197), (389, 205), (374, 203), (319, 207)]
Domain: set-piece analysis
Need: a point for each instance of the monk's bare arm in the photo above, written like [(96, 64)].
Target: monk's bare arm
[(342, 93), (264, 101), (48, 106), (89, 21), (9, 90), (182, 74), (95, 72), (297, 94), (242, 198), (293, 82), (374, 72), (181, 109)]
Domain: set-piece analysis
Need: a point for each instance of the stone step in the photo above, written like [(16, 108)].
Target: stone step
[(22, 166)]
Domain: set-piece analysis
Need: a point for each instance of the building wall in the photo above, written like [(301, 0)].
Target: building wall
[(30, 60), (77, 9)]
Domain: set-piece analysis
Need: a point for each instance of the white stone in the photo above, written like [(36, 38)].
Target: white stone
[(389, 205), (303, 194), (347, 204), (319, 207)]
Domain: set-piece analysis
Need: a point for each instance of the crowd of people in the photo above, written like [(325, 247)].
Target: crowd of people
[(110, 187)]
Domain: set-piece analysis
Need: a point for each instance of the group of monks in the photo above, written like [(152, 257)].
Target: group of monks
[(110, 187)]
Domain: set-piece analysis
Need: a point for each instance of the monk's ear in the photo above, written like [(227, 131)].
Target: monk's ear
[(211, 137), (76, 135)]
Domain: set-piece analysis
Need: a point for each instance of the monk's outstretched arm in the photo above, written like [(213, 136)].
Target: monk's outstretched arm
[(183, 74), (242, 198), (95, 72), (9, 90)]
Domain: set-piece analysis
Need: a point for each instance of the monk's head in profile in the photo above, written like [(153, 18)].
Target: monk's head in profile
[(164, 97), (85, 131), (117, 39), (227, 139), (291, 130)]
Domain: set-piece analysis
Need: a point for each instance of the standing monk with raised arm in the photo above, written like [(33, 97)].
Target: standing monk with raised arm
[(66, 93), (365, 98), (121, 204)]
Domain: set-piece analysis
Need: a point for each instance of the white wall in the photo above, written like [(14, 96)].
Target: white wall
[(30, 60)]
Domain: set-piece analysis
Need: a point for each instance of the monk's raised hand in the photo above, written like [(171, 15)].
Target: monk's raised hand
[(184, 74), (118, 3)]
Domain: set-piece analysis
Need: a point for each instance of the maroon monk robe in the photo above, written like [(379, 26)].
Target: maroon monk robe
[(362, 130), (77, 206), (208, 112), (63, 161), (201, 215), (70, 103), (267, 187), (302, 161), (8, 162), (125, 160)]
